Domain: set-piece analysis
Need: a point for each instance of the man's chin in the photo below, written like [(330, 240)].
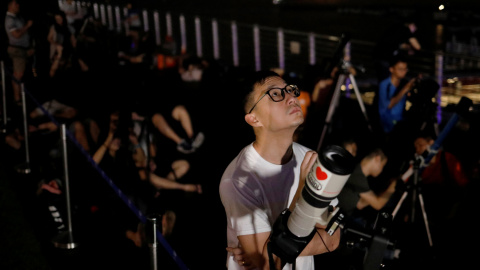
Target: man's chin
[(299, 121)]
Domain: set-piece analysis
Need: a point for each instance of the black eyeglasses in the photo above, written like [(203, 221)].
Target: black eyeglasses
[(278, 94)]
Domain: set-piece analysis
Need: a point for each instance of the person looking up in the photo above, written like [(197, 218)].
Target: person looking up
[(265, 177)]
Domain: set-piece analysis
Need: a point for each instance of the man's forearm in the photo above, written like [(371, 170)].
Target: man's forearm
[(322, 242)]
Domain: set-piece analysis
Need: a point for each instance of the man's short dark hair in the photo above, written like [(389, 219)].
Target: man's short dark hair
[(377, 151), (396, 59), (255, 78)]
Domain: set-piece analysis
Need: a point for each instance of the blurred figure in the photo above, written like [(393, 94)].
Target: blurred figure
[(398, 40), (392, 95), (132, 21), (72, 14), (20, 47), (357, 193), (135, 56), (443, 177), (62, 43), (65, 114)]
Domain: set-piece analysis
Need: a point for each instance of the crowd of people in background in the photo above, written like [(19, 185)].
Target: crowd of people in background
[(136, 110), (129, 116)]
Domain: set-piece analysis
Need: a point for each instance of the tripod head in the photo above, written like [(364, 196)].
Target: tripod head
[(338, 55), (339, 62), (346, 67)]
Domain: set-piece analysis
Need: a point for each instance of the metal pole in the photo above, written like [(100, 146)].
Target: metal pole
[(183, 34), (4, 99), (67, 181), (256, 44), (110, 17), (156, 24), (216, 45), (198, 36), (439, 75), (146, 26), (24, 168), (126, 25), (311, 49), (102, 14), (153, 242), (235, 44), (281, 49), (168, 22), (118, 19), (65, 239), (96, 12)]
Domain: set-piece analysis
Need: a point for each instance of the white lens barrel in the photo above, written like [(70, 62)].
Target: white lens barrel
[(323, 184)]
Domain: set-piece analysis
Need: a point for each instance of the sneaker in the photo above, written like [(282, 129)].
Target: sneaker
[(185, 147), (198, 141)]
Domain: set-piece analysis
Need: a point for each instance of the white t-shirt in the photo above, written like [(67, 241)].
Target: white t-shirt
[(254, 192)]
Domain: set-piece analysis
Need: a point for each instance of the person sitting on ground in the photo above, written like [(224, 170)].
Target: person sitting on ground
[(188, 144), (63, 113), (161, 172)]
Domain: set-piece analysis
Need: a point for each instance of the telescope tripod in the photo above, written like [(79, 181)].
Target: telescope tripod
[(342, 78), (416, 195)]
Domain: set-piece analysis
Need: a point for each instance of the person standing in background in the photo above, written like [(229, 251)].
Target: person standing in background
[(19, 45)]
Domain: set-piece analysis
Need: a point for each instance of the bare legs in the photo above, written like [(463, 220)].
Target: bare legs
[(180, 168)]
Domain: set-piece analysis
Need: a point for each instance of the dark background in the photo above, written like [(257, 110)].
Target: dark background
[(201, 226)]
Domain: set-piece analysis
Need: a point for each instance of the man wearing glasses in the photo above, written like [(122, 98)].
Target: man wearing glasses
[(392, 94), (264, 178)]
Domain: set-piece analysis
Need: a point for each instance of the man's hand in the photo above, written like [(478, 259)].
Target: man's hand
[(240, 257), (307, 163)]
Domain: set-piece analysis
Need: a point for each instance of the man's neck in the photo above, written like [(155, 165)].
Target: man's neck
[(395, 81), (276, 148)]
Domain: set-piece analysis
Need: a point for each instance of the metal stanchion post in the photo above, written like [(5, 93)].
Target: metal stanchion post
[(25, 167), (65, 239), (4, 99), (153, 228)]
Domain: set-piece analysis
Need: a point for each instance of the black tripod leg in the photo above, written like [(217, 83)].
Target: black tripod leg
[(331, 108), (399, 204), (360, 101), (425, 219)]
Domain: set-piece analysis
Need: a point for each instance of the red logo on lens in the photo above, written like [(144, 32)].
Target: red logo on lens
[(321, 175)]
